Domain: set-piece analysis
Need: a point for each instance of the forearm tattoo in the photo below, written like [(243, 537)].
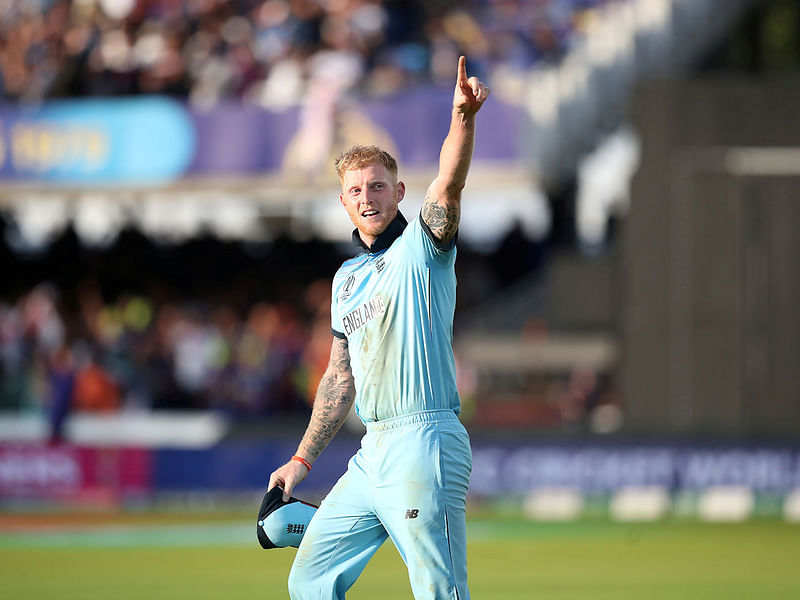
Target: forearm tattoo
[(332, 403), (441, 218)]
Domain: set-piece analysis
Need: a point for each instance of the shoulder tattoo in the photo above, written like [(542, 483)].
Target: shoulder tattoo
[(441, 219)]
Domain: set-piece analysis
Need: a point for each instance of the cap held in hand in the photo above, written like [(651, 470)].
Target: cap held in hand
[(282, 524)]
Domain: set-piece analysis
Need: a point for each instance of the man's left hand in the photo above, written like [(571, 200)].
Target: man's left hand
[(470, 93)]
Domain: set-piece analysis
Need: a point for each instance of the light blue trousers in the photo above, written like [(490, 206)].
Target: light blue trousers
[(408, 481)]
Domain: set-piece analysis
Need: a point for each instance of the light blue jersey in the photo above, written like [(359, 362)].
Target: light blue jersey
[(394, 303)]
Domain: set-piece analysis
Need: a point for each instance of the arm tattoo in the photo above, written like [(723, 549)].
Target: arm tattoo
[(335, 394), (441, 217)]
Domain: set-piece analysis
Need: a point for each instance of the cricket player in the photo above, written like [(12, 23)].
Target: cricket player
[(392, 321)]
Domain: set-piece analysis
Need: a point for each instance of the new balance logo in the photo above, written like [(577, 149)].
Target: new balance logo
[(412, 513), (297, 528)]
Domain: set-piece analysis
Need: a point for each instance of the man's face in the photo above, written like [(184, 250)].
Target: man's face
[(370, 196)]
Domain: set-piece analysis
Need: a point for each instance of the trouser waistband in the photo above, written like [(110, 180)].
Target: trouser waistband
[(417, 418)]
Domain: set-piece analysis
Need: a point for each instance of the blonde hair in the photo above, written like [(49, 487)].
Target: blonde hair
[(358, 157)]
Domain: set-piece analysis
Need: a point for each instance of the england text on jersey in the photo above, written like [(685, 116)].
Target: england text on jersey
[(362, 315)]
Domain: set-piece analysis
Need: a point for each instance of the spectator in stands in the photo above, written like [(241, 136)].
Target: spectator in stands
[(94, 390), (60, 384)]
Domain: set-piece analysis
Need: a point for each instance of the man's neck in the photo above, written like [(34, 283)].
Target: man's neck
[(368, 240), (382, 240)]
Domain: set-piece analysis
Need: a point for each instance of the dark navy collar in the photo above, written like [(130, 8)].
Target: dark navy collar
[(385, 239)]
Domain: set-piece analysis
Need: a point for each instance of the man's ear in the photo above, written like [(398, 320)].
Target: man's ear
[(341, 199), (401, 190)]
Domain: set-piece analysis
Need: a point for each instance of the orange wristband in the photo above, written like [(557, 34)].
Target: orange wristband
[(300, 459)]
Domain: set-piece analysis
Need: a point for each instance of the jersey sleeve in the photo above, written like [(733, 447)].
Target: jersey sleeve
[(422, 242), (336, 322)]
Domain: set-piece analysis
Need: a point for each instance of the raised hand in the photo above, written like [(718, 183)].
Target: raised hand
[(470, 93)]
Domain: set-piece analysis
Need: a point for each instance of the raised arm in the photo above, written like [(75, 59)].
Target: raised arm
[(441, 209), (335, 395)]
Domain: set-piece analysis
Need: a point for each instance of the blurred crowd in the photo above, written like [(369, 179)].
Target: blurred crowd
[(239, 328), (269, 52), (138, 354)]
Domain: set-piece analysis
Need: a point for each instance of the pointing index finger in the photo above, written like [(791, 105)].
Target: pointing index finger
[(462, 69)]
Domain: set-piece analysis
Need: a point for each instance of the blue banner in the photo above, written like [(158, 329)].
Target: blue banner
[(123, 141), (519, 468), (151, 140), (241, 139), (235, 465), (505, 468)]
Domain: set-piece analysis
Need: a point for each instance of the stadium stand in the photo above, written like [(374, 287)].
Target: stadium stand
[(160, 330)]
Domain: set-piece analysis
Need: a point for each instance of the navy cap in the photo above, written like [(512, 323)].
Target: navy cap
[(280, 523)]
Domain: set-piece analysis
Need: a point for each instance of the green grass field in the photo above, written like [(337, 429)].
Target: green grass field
[(510, 559)]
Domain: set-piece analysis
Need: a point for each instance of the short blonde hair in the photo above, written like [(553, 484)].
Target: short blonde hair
[(358, 157)]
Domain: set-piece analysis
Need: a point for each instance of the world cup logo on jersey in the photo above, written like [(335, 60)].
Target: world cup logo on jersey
[(348, 288)]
